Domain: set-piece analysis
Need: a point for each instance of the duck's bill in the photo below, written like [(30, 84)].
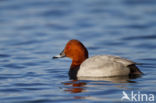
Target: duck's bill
[(57, 56), (61, 55)]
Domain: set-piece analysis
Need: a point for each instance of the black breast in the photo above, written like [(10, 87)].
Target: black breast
[(73, 72)]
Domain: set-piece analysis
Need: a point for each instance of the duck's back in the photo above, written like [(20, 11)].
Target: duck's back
[(105, 66)]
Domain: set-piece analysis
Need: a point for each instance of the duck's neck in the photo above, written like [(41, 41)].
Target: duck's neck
[(74, 68)]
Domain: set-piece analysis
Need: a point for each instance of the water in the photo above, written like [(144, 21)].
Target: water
[(32, 31)]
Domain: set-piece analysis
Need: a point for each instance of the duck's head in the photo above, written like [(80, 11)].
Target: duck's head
[(75, 50)]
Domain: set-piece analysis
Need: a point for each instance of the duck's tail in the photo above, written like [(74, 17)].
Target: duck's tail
[(134, 70)]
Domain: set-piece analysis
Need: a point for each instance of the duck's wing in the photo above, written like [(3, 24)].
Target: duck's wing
[(124, 61), (134, 70)]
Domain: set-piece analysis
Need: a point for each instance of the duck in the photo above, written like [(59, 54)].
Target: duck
[(95, 66)]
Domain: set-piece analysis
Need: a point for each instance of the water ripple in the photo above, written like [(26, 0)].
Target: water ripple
[(4, 56), (144, 37)]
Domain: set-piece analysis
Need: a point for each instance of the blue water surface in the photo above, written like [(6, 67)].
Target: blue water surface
[(32, 31)]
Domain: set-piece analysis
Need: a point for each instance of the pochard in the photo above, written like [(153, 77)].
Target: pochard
[(96, 66)]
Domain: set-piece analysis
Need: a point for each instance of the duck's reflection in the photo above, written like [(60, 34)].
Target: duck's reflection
[(122, 79), (77, 86)]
